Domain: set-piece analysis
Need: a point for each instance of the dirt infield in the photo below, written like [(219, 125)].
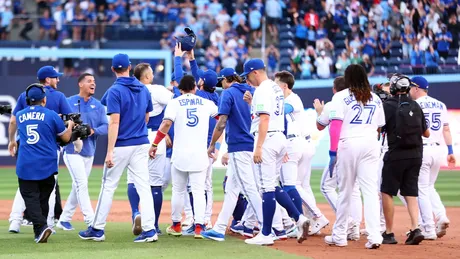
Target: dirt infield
[(314, 247)]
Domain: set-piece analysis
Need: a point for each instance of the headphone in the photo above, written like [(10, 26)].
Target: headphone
[(36, 85), (395, 87)]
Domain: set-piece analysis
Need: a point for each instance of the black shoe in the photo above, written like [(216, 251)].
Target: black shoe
[(389, 239), (414, 237)]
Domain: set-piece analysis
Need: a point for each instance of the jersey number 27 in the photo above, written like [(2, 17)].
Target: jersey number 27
[(364, 114)]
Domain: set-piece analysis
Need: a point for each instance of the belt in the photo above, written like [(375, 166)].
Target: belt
[(431, 144), (307, 137), (270, 131), (292, 136)]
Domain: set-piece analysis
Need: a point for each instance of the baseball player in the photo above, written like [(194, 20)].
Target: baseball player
[(235, 117), (79, 162), (328, 184), (128, 105), (269, 150), (436, 118), (57, 102), (160, 98), (190, 114), (356, 118), (38, 128)]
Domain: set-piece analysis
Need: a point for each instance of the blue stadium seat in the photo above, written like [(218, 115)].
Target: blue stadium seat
[(339, 44), (381, 61), (287, 44), (285, 28), (286, 36), (380, 70), (131, 45), (285, 53), (285, 62), (449, 69), (451, 61), (406, 70), (396, 45), (394, 61), (396, 52), (453, 53), (393, 69), (340, 36)]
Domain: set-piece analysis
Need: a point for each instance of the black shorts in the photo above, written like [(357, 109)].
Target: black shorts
[(400, 175), (272, 20)]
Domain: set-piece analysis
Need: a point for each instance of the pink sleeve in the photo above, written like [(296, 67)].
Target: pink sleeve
[(334, 132)]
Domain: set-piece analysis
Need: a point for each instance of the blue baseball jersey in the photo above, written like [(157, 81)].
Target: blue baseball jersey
[(237, 131), (38, 129), (214, 97), (55, 101), (92, 113), (131, 99)]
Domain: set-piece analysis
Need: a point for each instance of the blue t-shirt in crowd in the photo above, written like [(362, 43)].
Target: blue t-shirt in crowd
[(301, 32), (443, 45)]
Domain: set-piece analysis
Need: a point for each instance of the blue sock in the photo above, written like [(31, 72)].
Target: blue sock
[(295, 196), (133, 198), (268, 211), (239, 208), (190, 195), (284, 200), (157, 202)]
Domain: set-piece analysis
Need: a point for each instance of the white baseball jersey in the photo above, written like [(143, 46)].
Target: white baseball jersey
[(358, 120), (436, 117), (160, 98), (323, 118), (294, 119), (190, 114), (268, 99)]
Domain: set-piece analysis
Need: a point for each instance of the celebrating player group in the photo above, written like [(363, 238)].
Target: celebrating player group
[(384, 142)]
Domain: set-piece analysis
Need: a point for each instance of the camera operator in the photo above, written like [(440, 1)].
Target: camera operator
[(79, 161), (56, 101), (405, 126), (37, 164)]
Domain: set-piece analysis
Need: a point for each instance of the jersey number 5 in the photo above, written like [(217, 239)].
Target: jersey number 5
[(32, 135), (192, 117), (435, 122), (363, 111)]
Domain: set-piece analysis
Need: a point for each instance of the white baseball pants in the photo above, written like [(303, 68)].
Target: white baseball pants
[(179, 190), (79, 169), (167, 173), (209, 192), (357, 159), (135, 158)]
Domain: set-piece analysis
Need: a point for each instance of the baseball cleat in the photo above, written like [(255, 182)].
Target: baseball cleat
[(187, 223), (44, 235), (15, 226), (279, 235), (248, 232), (260, 240), (389, 239), (303, 225), (64, 226), (238, 228), (190, 231), (330, 241), (174, 230), (213, 235), (137, 224), (441, 228), (317, 225), (158, 230), (370, 245), (429, 235), (292, 232), (92, 234), (198, 229), (147, 236)]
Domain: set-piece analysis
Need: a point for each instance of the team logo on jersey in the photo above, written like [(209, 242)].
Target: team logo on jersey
[(93, 106), (260, 107)]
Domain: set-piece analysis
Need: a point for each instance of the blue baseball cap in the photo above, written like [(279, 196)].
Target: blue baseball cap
[(209, 78), (47, 71), (120, 61), (36, 93), (227, 72), (420, 82), (253, 64)]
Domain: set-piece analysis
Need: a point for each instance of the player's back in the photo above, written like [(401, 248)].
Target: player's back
[(358, 120), (160, 98), (294, 119), (55, 101), (435, 113), (190, 114), (214, 97), (268, 99)]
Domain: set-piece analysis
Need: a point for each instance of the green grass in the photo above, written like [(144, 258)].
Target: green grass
[(119, 244), (447, 185)]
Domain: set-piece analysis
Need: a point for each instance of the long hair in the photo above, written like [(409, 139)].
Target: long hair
[(356, 80)]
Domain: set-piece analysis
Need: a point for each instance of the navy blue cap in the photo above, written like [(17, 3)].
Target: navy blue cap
[(227, 72), (36, 94), (120, 61), (188, 42), (253, 64), (47, 71), (420, 82), (209, 78)]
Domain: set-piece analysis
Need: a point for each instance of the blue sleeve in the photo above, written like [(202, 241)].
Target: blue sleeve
[(113, 102), (58, 123), (103, 126), (64, 107), (194, 68), (104, 99), (178, 74), (20, 104), (176, 92), (149, 101), (252, 90), (225, 103), (288, 108)]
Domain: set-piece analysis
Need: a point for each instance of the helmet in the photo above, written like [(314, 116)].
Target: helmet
[(399, 83), (187, 42)]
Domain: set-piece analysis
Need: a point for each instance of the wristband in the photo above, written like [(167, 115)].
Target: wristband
[(332, 153), (158, 138), (217, 146), (450, 149)]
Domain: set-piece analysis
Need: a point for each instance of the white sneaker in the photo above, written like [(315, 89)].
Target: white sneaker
[(187, 223), (429, 235), (353, 232), (330, 241), (303, 225), (363, 232), (260, 240), (291, 232), (317, 225), (15, 226), (441, 227), (370, 245)]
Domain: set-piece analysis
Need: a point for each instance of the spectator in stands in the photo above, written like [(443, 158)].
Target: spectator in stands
[(101, 20), (28, 25), (237, 18), (135, 13), (321, 32), (46, 24), (311, 36), (340, 16), (431, 60), (222, 17), (331, 26), (311, 53), (111, 15), (216, 36), (78, 23), (326, 45), (373, 32), (423, 40), (255, 19), (417, 60), (301, 34), (418, 15), (7, 17), (148, 11), (274, 13), (443, 39), (214, 8), (368, 45), (355, 44), (242, 29), (259, 5), (273, 56), (161, 11), (306, 69), (188, 9), (213, 63), (91, 19), (355, 57), (59, 19), (454, 27), (386, 28), (407, 39), (432, 19), (376, 13), (385, 45), (311, 18), (323, 65), (354, 11), (395, 23), (42, 6), (342, 63), (241, 49), (229, 60), (120, 7), (368, 65)]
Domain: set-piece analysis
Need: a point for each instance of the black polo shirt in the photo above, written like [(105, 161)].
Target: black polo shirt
[(390, 107)]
